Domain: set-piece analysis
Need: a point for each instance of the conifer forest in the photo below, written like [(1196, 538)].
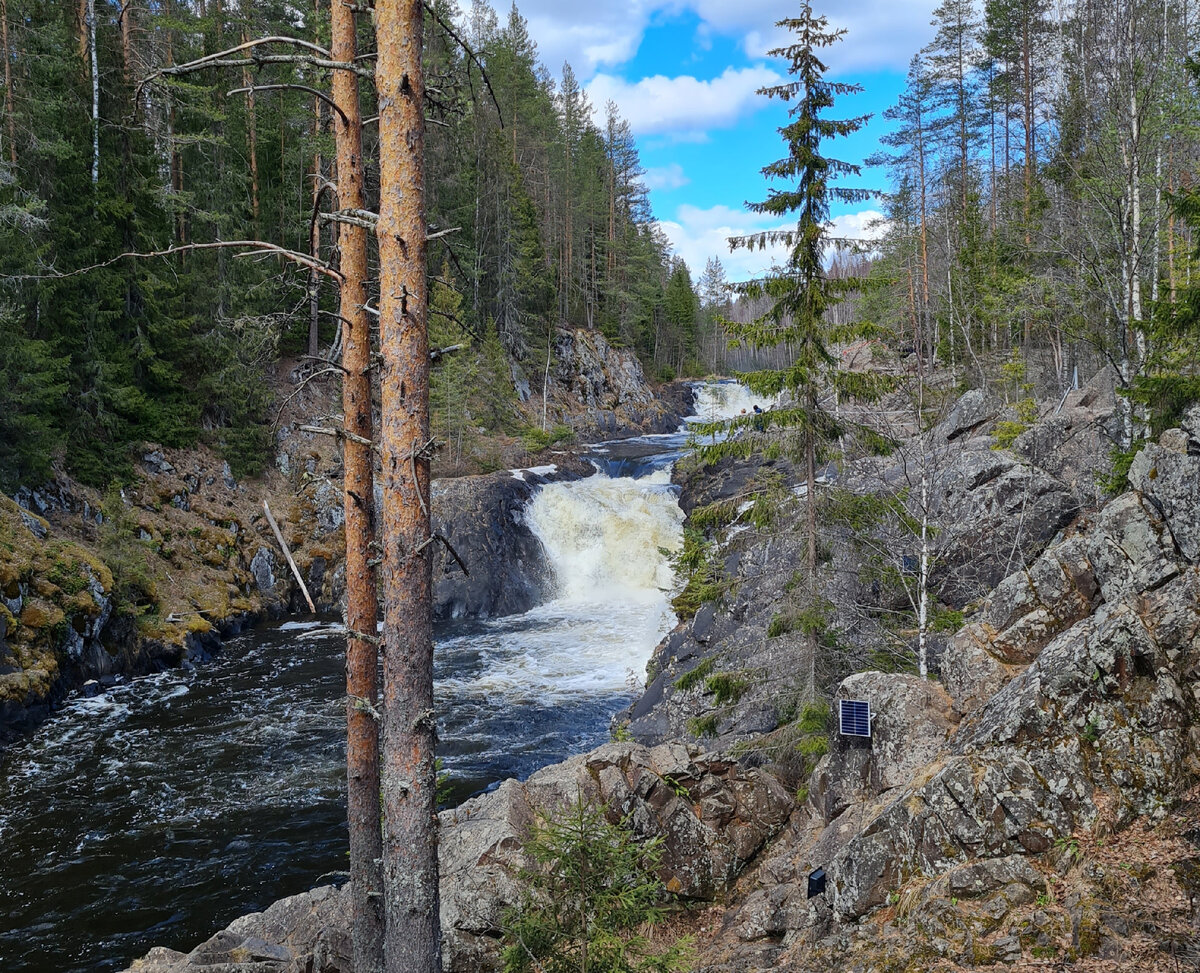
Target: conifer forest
[(1041, 166)]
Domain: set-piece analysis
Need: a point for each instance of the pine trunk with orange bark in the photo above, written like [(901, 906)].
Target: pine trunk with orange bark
[(362, 609), (410, 867)]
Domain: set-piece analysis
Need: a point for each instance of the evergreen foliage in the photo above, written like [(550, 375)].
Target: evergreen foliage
[(553, 228), (588, 900)]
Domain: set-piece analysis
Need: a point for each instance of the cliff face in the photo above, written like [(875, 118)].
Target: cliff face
[(101, 588), (1053, 809), (601, 391)]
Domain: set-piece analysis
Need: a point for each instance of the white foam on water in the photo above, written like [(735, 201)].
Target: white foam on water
[(302, 626), (717, 401), (535, 470)]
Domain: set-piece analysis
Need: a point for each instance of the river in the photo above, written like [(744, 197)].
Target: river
[(160, 809)]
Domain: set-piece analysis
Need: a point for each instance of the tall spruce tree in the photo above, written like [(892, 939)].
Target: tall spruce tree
[(801, 292)]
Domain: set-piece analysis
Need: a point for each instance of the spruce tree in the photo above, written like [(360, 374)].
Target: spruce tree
[(801, 292)]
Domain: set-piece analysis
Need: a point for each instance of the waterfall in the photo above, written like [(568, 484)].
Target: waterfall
[(725, 400), (606, 537), (609, 542)]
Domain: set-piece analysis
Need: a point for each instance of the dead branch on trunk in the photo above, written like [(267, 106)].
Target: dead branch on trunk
[(252, 248), (291, 87)]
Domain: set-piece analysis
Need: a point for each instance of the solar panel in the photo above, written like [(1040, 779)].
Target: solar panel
[(855, 717)]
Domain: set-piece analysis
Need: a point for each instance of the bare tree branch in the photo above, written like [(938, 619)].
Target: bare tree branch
[(293, 87), (251, 248), (471, 56)]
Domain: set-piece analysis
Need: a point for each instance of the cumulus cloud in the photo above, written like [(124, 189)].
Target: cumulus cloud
[(592, 36), (879, 35), (666, 177), (697, 234), (589, 36), (683, 105)]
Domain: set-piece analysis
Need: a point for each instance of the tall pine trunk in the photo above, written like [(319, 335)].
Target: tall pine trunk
[(410, 869), (362, 608), (251, 124), (95, 71)]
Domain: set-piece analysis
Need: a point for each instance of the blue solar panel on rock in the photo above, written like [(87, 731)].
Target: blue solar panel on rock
[(855, 718)]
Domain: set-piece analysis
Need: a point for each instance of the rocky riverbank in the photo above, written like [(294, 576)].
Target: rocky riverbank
[(1038, 805)]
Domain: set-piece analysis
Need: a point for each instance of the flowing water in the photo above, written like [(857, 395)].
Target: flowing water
[(161, 809)]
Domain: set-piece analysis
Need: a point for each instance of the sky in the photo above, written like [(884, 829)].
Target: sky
[(685, 72)]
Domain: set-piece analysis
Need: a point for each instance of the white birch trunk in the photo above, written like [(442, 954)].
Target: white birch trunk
[(91, 26)]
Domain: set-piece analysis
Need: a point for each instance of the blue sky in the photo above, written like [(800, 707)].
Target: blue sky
[(684, 73)]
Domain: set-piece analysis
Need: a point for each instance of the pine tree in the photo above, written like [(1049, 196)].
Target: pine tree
[(456, 373), (953, 55), (680, 310), (911, 161), (588, 899)]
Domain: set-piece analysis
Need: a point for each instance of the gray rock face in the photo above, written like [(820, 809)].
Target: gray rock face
[(1170, 480), (601, 391), (481, 518), (262, 566), (1018, 620), (1073, 443), (968, 415), (912, 718), (994, 514), (1084, 705), (305, 933)]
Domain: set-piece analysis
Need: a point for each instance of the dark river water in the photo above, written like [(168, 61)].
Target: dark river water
[(159, 810)]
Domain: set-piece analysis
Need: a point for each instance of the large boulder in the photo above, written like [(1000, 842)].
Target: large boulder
[(970, 414), (306, 933), (911, 721), (712, 815)]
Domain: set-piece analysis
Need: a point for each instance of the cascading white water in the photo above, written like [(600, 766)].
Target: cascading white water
[(725, 400), (608, 542), (606, 537)]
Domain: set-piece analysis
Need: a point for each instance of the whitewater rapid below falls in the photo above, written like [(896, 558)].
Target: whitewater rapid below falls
[(159, 810)]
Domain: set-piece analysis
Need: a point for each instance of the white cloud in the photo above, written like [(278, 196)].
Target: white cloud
[(697, 234), (881, 33), (683, 105), (592, 36), (666, 178), (865, 225), (588, 35)]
